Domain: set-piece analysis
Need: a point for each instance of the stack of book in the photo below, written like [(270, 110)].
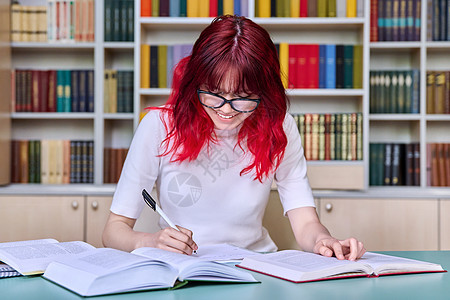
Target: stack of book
[(52, 161), (438, 164), (158, 61), (309, 8), (395, 20), (438, 20), (53, 90), (59, 21), (394, 91), (313, 66), (113, 160), (193, 8), (394, 164), (118, 91), (331, 136), (438, 92), (119, 20)]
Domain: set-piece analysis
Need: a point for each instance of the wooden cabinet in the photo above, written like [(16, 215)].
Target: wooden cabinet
[(384, 224), (97, 212), (36, 217), (444, 219)]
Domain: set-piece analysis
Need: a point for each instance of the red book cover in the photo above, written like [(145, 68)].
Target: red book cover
[(434, 165), (213, 8), (35, 91), (303, 8), (15, 162), (447, 162), (293, 66), (43, 91), (52, 84), (428, 162), (302, 76), (13, 90), (441, 164), (146, 8), (417, 164), (312, 66), (374, 20)]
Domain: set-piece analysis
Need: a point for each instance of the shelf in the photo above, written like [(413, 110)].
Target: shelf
[(310, 23), (58, 189), (437, 117), (154, 92), (118, 116), (398, 46), (49, 115), (444, 45), (394, 117), (50, 46), (119, 45)]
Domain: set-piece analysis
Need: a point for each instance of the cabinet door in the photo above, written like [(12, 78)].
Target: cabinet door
[(445, 225), (384, 224), (37, 217), (97, 212)]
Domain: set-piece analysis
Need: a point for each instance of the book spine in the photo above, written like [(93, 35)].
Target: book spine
[(387, 164), (330, 53)]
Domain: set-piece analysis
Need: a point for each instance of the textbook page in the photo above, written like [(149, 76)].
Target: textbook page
[(222, 253), (34, 256), (105, 271), (195, 268), (385, 264)]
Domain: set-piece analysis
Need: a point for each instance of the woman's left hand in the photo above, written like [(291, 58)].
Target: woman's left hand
[(350, 248)]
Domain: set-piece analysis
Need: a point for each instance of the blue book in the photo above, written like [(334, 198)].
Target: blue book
[(82, 94), (174, 8), (67, 91), (90, 90), (322, 66), (59, 90), (244, 8), (75, 90), (237, 7), (330, 68)]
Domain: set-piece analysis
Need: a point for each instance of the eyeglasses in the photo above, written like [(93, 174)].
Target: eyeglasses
[(211, 100)]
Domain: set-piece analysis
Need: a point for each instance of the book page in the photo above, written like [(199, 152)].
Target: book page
[(382, 263), (27, 243), (222, 253), (34, 258)]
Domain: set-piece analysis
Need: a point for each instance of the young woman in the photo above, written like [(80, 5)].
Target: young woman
[(214, 150)]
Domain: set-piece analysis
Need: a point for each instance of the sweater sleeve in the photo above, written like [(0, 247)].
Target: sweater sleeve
[(141, 167), (290, 177)]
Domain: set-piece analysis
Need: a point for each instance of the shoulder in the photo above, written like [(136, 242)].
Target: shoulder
[(289, 124), (155, 118)]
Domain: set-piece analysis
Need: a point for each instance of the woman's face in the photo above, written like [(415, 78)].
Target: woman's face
[(225, 117)]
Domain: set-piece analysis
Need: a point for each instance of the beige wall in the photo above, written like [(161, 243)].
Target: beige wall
[(5, 92)]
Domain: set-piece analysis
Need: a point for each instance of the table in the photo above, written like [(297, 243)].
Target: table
[(411, 286)]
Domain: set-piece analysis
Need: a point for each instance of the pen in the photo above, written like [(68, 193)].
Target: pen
[(152, 203)]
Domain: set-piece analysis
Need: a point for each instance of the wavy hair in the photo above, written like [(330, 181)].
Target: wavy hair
[(229, 45)]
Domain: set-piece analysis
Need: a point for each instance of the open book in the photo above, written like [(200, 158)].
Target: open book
[(91, 271), (298, 266)]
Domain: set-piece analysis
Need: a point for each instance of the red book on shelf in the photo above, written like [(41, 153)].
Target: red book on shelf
[(15, 161), (374, 20), (52, 84), (302, 76), (146, 8), (293, 66), (447, 162), (441, 164), (13, 90), (312, 66), (416, 164), (303, 8), (434, 166), (43, 91), (213, 8)]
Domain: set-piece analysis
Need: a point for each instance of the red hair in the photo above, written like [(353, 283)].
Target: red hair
[(236, 44)]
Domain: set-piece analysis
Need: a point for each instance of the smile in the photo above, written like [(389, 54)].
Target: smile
[(224, 116)]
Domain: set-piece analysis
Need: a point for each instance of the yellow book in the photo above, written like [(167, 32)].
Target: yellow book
[(357, 66), (203, 8), (264, 8), (351, 8), (106, 83), (113, 92), (295, 8), (155, 8), (228, 7), (284, 63), (162, 66), (192, 8), (145, 66)]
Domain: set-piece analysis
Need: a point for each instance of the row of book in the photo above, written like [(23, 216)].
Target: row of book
[(52, 161), (331, 136), (158, 61), (313, 66), (118, 91), (193, 8), (394, 164), (438, 164), (394, 91), (119, 20), (59, 21), (53, 90), (438, 92), (438, 20), (309, 8), (113, 160), (395, 20)]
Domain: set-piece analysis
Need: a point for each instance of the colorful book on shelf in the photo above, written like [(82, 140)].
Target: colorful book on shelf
[(297, 266)]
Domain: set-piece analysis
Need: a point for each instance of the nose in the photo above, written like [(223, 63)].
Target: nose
[(226, 108)]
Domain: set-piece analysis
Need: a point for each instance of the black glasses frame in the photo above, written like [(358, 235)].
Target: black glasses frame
[(229, 101)]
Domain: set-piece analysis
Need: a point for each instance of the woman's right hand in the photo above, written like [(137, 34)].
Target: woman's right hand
[(179, 241)]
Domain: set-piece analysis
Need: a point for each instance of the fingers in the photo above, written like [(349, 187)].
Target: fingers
[(354, 248), (350, 249), (179, 241)]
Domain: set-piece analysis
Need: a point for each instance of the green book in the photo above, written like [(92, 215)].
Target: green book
[(359, 136), (386, 102), (333, 137), (280, 8), (372, 91), (130, 21), (331, 8), (348, 66), (183, 8), (322, 10), (338, 137), (393, 98), (59, 90), (155, 8), (108, 21), (357, 66), (401, 92), (67, 105), (162, 66), (372, 164), (31, 162), (408, 92)]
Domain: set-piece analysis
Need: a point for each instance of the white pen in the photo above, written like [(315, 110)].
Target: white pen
[(152, 203)]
